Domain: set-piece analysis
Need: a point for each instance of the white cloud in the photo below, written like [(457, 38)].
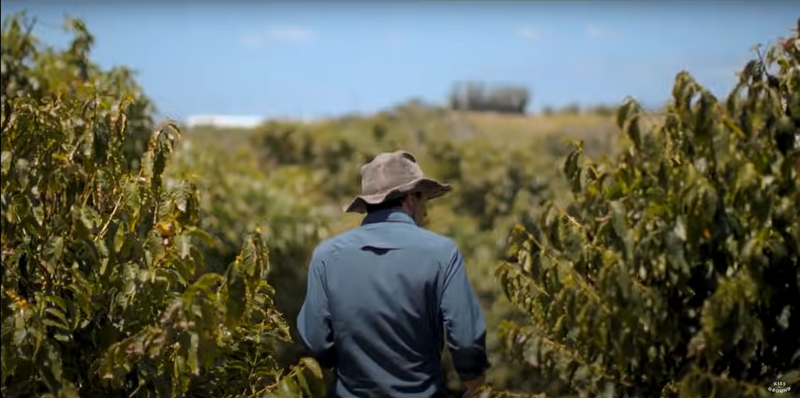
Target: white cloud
[(596, 32), (528, 33), (279, 34), (290, 33)]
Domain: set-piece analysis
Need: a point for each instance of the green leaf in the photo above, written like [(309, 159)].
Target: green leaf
[(5, 161), (54, 251), (302, 384), (236, 298), (90, 218), (200, 234), (633, 130), (288, 388), (572, 170), (132, 199), (194, 347), (38, 214), (312, 365)]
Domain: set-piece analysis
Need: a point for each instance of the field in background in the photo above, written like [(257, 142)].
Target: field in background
[(543, 138), (500, 165)]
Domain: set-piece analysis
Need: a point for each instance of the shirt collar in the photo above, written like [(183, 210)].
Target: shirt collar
[(388, 215)]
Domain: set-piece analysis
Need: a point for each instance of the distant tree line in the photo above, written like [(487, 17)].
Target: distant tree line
[(481, 97)]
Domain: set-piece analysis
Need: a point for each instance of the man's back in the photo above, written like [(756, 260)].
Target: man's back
[(377, 301)]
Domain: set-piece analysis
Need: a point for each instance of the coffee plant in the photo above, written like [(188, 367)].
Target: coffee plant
[(674, 271), (102, 289)]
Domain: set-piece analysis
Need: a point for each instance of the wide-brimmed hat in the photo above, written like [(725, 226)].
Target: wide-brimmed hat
[(390, 175)]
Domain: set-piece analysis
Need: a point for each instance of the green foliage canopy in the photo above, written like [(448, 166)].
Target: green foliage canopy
[(101, 294), (674, 271)]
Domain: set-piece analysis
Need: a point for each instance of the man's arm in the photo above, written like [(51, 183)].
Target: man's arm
[(314, 320), (463, 320)]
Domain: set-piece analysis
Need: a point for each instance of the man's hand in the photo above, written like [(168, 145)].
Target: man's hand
[(473, 386)]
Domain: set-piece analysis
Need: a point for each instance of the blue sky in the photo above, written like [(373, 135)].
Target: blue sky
[(306, 58)]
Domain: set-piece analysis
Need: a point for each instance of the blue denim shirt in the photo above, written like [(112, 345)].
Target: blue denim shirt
[(378, 302)]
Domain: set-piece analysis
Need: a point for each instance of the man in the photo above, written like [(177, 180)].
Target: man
[(381, 296)]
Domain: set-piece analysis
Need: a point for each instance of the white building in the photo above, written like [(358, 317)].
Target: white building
[(238, 121), (229, 121)]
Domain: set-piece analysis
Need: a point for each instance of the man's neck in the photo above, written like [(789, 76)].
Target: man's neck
[(397, 214)]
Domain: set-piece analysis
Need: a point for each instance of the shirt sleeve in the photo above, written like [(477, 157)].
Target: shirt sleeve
[(463, 320), (314, 321)]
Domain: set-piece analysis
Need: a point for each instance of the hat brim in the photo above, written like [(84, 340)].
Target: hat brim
[(430, 188)]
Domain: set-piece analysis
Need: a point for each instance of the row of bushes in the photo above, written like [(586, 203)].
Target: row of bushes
[(137, 264)]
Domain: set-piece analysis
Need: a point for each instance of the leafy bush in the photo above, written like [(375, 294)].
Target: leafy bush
[(491, 182), (674, 272), (101, 290), (239, 196)]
